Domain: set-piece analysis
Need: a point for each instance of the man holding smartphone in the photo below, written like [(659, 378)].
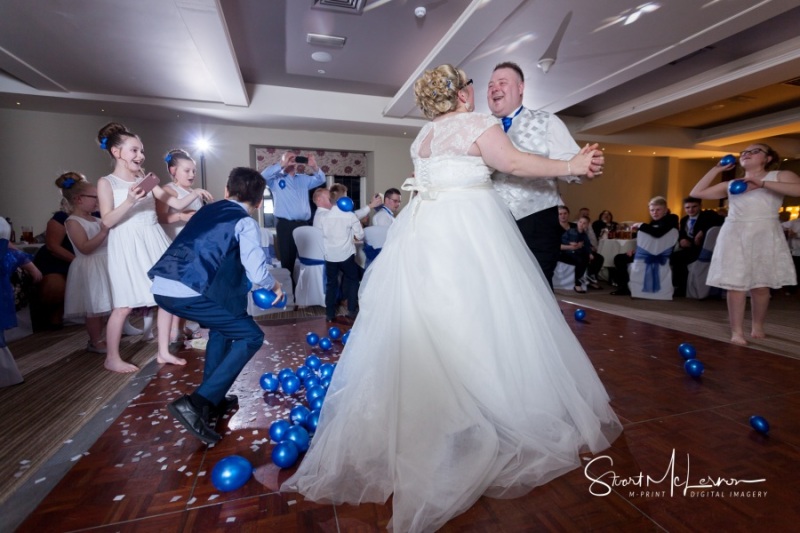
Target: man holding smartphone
[(290, 197)]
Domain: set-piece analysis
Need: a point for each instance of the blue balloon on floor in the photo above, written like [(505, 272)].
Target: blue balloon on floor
[(326, 370), (694, 367), (325, 343), (687, 351), (345, 337), (285, 454), (277, 430), (264, 298), (345, 204), (299, 436), (759, 423), (291, 384), (325, 383), (285, 373), (311, 382), (580, 314), (313, 362), (312, 421), (312, 338), (334, 332), (298, 414), (317, 402), (269, 382), (314, 393), (303, 372), (231, 473), (727, 160), (737, 187)]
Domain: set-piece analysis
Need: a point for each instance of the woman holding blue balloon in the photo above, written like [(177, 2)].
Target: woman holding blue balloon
[(751, 253), (461, 377)]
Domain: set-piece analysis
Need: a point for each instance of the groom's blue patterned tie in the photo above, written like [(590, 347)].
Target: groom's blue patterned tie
[(507, 123)]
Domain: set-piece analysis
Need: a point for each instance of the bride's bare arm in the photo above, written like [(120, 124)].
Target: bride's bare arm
[(498, 152)]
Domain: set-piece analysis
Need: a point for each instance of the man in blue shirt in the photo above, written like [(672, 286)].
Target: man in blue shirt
[(290, 195)]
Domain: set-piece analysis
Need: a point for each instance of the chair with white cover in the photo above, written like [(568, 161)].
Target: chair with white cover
[(374, 238), (698, 270), (309, 269), (564, 277), (650, 273)]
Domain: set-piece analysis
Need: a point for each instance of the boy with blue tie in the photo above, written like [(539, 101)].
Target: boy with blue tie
[(205, 275)]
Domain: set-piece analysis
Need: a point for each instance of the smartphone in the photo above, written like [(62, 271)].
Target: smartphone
[(149, 182), (301, 159)]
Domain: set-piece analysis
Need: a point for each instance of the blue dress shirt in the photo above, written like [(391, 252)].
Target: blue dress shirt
[(290, 194)]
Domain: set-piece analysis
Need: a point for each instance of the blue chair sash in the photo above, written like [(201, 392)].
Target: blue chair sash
[(705, 255), (371, 253), (652, 277), (314, 262)]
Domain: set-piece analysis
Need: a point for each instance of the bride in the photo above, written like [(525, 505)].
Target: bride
[(461, 377)]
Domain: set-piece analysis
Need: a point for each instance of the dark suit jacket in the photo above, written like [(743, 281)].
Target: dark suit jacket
[(706, 219)]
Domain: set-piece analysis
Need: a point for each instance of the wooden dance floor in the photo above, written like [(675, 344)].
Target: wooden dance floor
[(687, 461)]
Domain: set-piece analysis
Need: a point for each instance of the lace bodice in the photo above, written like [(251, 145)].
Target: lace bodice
[(143, 211), (756, 204), (440, 152)]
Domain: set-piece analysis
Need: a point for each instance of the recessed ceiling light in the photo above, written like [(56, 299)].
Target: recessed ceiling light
[(321, 57), (321, 71)]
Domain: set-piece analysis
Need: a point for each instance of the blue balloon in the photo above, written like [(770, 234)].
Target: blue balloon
[(285, 454), (231, 473), (278, 429), (269, 382), (326, 370), (316, 403), (315, 392), (311, 382), (580, 314), (264, 298), (694, 367), (737, 187), (759, 423), (727, 160), (290, 385), (346, 337), (299, 436), (312, 338), (325, 343), (345, 204), (334, 332), (298, 414), (687, 351), (303, 372), (312, 421), (285, 373), (313, 362), (326, 382)]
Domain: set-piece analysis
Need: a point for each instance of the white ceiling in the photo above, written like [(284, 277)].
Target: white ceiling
[(689, 78)]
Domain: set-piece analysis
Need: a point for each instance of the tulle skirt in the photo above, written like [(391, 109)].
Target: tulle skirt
[(460, 378)]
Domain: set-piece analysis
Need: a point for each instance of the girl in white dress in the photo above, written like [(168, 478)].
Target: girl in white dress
[(136, 240), (461, 377), (182, 169), (751, 253), (88, 292)]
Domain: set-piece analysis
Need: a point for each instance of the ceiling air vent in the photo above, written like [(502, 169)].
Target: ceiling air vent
[(353, 7)]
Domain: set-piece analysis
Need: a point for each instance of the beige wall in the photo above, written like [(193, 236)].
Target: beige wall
[(35, 147)]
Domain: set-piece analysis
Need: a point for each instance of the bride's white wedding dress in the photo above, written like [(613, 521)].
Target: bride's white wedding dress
[(461, 377)]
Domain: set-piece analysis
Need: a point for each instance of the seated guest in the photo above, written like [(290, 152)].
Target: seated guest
[(384, 215), (659, 225), (693, 228), (577, 250), (604, 225), (792, 229), (584, 212)]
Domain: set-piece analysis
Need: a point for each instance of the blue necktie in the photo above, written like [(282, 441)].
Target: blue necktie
[(690, 228), (507, 120)]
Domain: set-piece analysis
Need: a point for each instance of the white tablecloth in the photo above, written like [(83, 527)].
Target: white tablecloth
[(608, 248)]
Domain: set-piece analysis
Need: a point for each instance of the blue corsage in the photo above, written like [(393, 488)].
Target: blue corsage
[(68, 183), (168, 159), (104, 143)]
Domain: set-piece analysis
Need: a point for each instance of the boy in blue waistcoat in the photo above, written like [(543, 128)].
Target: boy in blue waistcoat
[(205, 275)]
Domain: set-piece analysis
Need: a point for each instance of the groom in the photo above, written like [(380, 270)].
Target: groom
[(534, 203)]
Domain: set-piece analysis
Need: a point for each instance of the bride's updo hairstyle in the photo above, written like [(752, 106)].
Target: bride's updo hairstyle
[(436, 91)]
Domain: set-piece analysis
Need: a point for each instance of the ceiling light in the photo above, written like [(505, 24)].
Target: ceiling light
[(321, 71), (420, 12), (318, 39), (545, 63), (321, 57)]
